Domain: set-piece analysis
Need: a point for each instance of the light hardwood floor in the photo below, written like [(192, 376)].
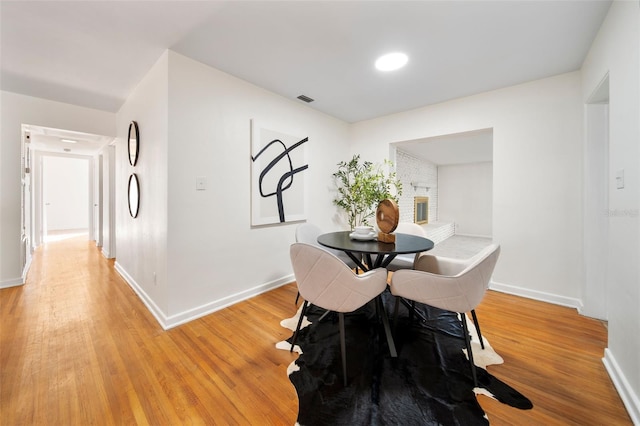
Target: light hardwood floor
[(78, 347)]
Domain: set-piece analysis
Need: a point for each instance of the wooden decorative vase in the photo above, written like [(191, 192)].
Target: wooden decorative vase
[(387, 216)]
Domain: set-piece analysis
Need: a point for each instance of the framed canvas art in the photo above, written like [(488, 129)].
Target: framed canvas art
[(278, 178)]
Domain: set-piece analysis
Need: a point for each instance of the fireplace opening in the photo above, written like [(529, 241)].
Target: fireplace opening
[(421, 210)]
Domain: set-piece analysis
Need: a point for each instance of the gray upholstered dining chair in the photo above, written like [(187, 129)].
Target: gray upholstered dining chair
[(308, 233), (406, 261), (325, 281), (457, 286)]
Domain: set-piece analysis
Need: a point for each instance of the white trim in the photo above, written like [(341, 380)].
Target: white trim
[(629, 398), (26, 268), (148, 302), (474, 235), (536, 295), (91, 198), (12, 283), (112, 198), (198, 312), (225, 302)]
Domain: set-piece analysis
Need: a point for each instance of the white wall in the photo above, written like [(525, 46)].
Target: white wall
[(191, 252), (537, 154), (16, 110), (66, 192), (215, 256), (141, 242), (465, 193), (616, 51)]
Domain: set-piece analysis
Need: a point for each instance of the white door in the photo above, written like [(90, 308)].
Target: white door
[(65, 194)]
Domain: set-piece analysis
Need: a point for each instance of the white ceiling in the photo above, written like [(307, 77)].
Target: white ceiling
[(51, 140), (93, 53), (459, 148)]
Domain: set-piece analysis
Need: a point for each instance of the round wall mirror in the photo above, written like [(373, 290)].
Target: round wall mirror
[(134, 143), (134, 195)]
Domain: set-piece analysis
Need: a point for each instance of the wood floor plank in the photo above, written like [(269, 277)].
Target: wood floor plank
[(554, 356), (77, 346)]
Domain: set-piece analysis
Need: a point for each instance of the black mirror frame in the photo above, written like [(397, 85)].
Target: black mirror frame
[(133, 154), (133, 180)]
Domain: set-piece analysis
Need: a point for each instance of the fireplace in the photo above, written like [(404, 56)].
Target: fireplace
[(421, 210)]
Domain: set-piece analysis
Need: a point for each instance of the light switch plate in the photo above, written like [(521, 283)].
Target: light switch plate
[(620, 179), (201, 183)]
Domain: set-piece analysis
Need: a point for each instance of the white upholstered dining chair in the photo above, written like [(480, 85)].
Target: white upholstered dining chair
[(406, 261), (325, 281), (452, 285), (308, 233)]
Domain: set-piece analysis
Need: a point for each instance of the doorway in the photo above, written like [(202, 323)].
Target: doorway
[(596, 203), (68, 174), (455, 172), (66, 197)]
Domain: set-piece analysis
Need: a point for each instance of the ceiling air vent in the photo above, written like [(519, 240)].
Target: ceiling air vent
[(305, 98)]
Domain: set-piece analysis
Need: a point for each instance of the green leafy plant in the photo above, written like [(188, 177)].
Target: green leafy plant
[(361, 186)]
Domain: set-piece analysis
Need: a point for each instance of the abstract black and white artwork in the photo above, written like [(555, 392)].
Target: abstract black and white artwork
[(278, 178)]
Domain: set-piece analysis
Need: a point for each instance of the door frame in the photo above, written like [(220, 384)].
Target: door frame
[(596, 203), (38, 198)]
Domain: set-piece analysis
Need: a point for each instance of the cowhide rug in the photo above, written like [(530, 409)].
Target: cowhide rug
[(430, 382)]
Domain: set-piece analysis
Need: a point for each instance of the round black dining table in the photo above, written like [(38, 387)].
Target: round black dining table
[(384, 252)]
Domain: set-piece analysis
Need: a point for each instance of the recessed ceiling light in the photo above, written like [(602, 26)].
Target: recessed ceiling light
[(68, 141), (391, 61)]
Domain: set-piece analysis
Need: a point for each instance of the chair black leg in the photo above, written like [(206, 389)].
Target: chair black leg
[(323, 316), (395, 314), (412, 311), (387, 328), (295, 334), (467, 341), (342, 348), (477, 324), (297, 297)]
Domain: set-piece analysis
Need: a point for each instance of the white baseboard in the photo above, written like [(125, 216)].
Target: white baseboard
[(629, 398), (26, 268), (200, 311), (106, 253), (18, 281), (219, 304), (11, 283), (536, 295), (148, 302)]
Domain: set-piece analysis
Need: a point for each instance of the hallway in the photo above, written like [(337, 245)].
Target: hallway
[(79, 347)]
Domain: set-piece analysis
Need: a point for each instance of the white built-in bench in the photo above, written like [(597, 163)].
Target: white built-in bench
[(439, 231)]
